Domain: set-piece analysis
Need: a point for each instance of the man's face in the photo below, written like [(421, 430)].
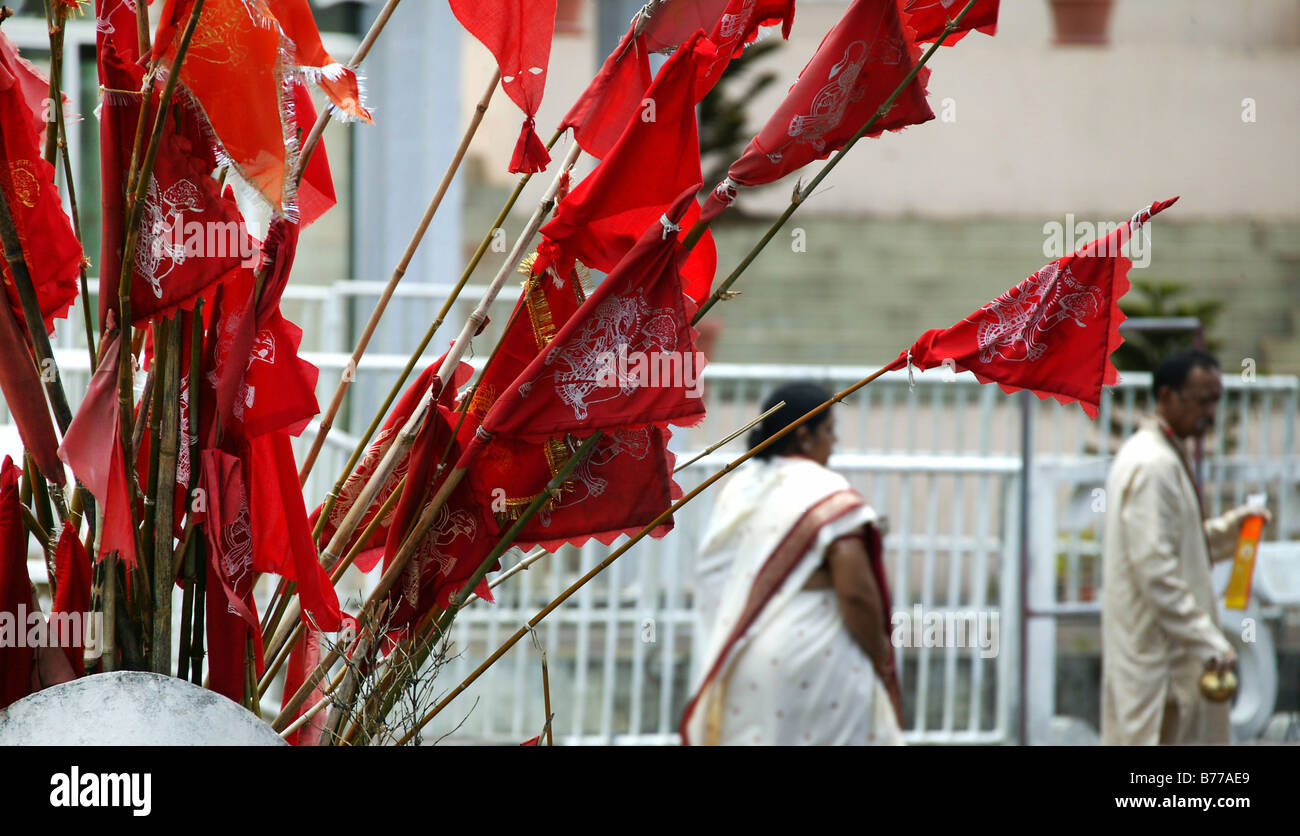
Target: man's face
[(1190, 408)]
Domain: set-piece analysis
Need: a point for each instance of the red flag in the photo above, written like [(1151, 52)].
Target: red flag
[(190, 234), (518, 33), (316, 191), (929, 17), (20, 384), (282, 541), (1052, 334), (49, 246), (17, 660), (338, 81), (237, 68), (858, 65), (651, 164), (619, 487), (626, 359), (35, 87), (737, 26), (72, 570), (92, 448), (674, 22), (601, 113), (231, 613), (453, 547), (260, 383), (378, 448)]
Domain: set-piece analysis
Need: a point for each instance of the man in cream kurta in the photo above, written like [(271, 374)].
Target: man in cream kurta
[(1159, 623)]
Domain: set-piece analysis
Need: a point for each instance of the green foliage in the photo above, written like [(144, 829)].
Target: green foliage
[(1143, 351)]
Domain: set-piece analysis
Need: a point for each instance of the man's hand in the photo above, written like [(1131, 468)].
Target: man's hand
[(1226, 662)]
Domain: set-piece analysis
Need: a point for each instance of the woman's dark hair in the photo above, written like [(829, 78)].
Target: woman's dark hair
[(800, 399)]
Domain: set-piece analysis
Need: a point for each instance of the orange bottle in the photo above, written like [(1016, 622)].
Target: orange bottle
[(1243, 561)]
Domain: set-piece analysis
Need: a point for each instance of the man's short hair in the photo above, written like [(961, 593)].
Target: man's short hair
[(1175, 368)]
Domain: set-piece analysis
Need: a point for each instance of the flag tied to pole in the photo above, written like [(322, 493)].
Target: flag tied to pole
[(929, 17), (858, 65), (620, 88), (1053, 333)]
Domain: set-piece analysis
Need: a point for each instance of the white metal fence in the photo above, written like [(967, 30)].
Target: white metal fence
[(942, 459)]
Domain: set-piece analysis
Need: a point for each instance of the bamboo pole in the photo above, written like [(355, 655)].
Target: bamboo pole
[(617, 553), (13, 253), (55, 15), (802, 193), (349, 372), (165, 502), (546, 697)]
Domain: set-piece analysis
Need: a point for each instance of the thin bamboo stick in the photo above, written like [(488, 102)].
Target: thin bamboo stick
[(617, 553), (318, 129), (165, 498), (13, 253), (803, 193), (286, 637), (443, 620), (349, 372)]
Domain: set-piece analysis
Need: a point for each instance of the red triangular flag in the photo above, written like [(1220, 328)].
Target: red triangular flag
[(601, 113), (231, 613), (655, 159), (859, 63), (384, 438), (1052, 334), (738, 26), (20, 383), (92, 448), (190, 234), (282, 541), (929, 17), (72, 570), (518, 33), (627, 357), (618, 489), (456, 544), (237, 69)]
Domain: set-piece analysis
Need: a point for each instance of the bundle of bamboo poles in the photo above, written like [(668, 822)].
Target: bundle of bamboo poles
[(359, 684)]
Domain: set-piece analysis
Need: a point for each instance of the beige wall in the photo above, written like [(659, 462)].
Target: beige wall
[(1040, 130)]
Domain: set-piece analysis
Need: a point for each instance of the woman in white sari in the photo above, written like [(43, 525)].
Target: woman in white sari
[(792, 595)]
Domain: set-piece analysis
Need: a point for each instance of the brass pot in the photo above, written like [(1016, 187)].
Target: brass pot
[(1218, 687)]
